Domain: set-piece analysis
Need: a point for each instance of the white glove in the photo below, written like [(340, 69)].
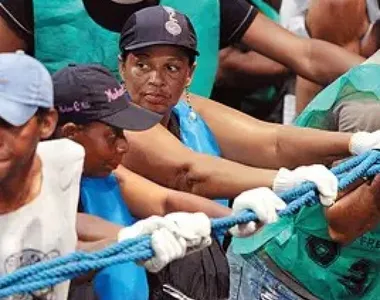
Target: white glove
[(146, 226), (195, 228), (325, 180), (361, 142), (263, 202), (167, 244), (167, 247)]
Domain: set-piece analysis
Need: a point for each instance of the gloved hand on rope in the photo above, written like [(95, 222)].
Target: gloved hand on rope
[(364, 141), (324, 179), (195, 228), (166, 243), (173, 236), (263, 202)]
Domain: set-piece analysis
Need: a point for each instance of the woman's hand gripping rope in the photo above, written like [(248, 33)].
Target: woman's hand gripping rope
[(265, 203)]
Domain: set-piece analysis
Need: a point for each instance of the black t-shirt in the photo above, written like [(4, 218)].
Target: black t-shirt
[(235, 15)]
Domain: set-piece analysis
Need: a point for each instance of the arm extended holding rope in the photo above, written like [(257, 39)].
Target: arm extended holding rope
[(172, 235), (172, 164), (266, 145), (356, 212), (261, 144), (145, 198)]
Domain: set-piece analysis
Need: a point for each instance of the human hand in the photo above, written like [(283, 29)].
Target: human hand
[(195, 228), (362, 141), (263, 202), (167, 244), (324, 179)]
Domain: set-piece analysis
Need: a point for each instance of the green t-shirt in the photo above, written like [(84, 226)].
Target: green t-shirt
[(300, 245), (358, 84)]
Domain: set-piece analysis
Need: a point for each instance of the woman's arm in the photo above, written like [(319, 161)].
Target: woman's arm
[(146, 198), (266, 145), (159, 156)]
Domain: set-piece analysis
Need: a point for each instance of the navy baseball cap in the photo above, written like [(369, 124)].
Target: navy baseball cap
[(89, 93), (158, 25), (112, 14)]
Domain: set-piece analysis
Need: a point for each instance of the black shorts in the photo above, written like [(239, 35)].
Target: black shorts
[(203, 275)]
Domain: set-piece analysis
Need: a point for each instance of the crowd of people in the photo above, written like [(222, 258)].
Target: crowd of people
[(108, 133)]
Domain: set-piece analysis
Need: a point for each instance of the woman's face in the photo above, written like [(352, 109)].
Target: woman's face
[(156, 76)]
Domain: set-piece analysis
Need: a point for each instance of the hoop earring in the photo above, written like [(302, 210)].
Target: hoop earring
[(192, 113)]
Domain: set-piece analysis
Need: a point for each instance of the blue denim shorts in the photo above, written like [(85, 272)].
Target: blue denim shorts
[(251, 279)]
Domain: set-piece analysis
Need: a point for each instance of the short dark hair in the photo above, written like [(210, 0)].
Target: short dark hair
[(191, 57), (189, 54)]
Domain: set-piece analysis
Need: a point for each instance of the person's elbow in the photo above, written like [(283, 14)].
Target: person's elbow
[(190, 179)]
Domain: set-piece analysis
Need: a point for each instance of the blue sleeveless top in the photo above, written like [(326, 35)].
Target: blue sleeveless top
[(195, 134), (101, 197)]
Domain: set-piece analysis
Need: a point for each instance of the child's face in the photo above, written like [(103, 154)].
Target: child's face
[(104, 147)]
